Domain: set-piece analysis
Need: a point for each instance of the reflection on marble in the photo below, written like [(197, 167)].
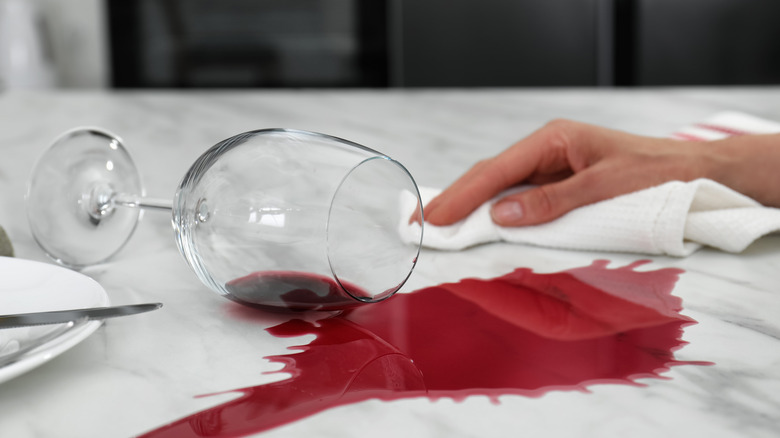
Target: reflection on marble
[(136, 374)]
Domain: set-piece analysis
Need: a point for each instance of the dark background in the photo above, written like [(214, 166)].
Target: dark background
[(443, 43)]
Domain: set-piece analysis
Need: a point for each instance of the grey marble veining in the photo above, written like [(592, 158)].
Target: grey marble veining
[(136, 374)]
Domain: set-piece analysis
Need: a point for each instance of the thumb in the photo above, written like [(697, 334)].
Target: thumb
[(539, 204)]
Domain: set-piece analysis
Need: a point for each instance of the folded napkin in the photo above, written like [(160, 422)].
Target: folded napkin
[(675, 218)]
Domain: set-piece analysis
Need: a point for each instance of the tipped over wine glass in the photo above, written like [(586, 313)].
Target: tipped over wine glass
[(272, 218)]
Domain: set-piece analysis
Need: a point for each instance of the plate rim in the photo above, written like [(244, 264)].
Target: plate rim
[(60, 344)]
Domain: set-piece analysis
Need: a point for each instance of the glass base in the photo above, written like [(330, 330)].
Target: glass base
[(70, 197)]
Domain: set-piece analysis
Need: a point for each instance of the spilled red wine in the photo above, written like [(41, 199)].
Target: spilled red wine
[(520, 334), (292, 290)]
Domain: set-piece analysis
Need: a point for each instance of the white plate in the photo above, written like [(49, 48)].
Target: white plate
[(28, 286)]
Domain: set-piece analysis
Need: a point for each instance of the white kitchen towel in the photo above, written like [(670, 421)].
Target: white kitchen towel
[(675, 218)]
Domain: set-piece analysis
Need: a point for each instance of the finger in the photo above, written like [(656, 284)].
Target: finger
[(432, 204), (464, 195), (550, 201), (547, 178), (543, 152)]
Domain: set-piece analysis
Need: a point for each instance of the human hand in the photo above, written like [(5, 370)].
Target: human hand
[(572, 164)]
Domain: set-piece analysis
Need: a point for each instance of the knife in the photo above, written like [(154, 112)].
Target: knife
[(63, 316)]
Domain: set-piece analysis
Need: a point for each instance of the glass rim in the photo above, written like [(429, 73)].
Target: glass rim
[(387, 293)]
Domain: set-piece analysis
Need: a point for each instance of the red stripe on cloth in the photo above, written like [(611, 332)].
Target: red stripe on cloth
[(721, 129)]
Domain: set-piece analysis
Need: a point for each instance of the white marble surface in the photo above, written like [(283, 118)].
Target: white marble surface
[(135, 374)]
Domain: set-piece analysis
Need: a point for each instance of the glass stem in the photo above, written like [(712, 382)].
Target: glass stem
[(101, 200), (123, 200)]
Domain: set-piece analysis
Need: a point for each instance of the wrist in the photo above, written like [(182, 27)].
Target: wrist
[(747, 164), (719, 159)]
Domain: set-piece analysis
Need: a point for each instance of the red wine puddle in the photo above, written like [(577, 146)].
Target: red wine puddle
[(520, 334), (275, 290)]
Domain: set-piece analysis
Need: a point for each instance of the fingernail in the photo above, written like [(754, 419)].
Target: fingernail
[(507, 212)]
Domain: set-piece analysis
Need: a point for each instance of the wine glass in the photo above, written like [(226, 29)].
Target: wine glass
[(275, 218)]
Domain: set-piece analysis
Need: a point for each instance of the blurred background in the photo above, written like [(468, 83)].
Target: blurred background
[(387, 43)]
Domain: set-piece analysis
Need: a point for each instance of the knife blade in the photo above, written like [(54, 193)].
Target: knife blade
[(63, 316)]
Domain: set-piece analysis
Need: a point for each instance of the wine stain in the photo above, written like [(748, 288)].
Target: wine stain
[(523, 334)]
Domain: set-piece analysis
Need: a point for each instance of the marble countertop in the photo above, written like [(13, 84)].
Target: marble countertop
[(137, 374)]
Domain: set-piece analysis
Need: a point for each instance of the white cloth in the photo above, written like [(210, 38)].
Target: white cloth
[(675, 218)]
